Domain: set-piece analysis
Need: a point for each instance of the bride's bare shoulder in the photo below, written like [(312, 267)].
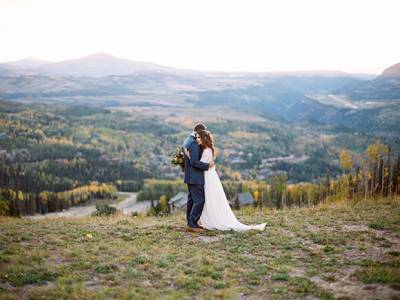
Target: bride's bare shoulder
[(208, 150)]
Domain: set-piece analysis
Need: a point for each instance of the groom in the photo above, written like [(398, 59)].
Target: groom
[(194, 178)]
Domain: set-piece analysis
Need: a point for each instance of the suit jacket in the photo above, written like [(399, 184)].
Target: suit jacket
[(194, 168)]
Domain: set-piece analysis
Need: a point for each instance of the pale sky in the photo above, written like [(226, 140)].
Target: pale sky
[(215, 35)]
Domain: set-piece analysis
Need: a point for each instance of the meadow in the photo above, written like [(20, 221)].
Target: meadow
[(337, 250)]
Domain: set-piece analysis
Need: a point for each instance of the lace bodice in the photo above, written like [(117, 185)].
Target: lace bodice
[(207, 156)]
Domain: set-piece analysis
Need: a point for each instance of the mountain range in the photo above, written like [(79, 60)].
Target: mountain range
[(358, 101), (102, 64), (94, 65)]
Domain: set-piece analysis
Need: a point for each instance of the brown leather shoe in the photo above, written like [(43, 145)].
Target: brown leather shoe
[(195, 229)]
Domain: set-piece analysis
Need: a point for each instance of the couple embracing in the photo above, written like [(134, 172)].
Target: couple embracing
[(207, 203)]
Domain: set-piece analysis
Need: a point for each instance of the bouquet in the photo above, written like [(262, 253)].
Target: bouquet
[(177, 158)]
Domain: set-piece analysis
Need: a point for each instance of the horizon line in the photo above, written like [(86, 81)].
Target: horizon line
[(193, 69)]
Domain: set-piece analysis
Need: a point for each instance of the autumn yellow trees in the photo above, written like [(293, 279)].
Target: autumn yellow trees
[(18, 203), (374, 173), (345, 159)]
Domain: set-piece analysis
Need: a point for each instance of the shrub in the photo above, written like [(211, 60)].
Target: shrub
[(104, 210), (4, 209)]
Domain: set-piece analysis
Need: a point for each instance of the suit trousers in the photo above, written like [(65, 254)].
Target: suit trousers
[(195, 204)]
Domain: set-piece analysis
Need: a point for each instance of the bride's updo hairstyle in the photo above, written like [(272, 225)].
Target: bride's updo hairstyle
[(207, 141)]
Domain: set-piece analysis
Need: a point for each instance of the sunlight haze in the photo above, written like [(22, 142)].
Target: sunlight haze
[(352, 36)]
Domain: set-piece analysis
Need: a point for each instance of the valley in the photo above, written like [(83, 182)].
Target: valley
[(63, 130)]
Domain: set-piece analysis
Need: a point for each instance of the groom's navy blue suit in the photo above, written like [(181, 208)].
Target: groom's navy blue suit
[(194, 178)]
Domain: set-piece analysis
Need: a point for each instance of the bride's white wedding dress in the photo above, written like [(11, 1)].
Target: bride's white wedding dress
[(217, 214)]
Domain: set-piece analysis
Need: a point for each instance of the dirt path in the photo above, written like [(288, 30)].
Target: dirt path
[(127, 206)]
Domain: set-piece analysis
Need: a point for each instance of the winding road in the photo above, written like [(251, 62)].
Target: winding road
[(127, 206)]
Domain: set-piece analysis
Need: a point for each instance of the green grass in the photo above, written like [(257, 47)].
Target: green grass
[(379, 225), (303, 253), (376, 272)]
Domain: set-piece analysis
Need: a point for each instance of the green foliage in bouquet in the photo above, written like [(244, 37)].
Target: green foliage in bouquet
[(177, 158)]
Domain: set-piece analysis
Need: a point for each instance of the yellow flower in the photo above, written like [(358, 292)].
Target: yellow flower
[(89, 236)]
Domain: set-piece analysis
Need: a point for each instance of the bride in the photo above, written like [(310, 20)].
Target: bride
[(217, 213)]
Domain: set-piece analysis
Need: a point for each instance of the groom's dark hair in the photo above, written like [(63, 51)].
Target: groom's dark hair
[(199, 127)]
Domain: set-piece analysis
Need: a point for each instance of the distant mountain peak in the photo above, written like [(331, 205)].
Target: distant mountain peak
[(100, 64), (392, 71)]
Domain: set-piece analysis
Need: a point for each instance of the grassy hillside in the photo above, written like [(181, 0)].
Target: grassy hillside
[(340, 250)]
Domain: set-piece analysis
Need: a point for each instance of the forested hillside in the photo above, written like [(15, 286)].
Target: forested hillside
[(63, 128), (59, 147)]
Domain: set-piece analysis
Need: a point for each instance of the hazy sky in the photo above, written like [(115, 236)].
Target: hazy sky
[(248, 35)]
